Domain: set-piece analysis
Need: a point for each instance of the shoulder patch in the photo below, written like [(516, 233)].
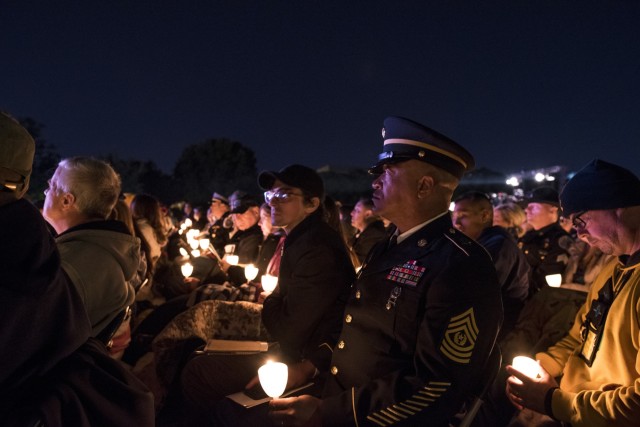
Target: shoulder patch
[(460, 337)]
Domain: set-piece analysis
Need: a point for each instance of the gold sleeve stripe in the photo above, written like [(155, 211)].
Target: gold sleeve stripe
[(384, 418), (435, 389), (380, 419), (420, 404), (403, 410), (390, 415), (424, 399), (396, 413), (429, 393), (428, 398), (420, 400), (376, 421), (411, 407), (353, 405), (434, 384)]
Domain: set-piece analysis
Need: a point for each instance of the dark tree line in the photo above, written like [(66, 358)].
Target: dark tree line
[(220, 165)]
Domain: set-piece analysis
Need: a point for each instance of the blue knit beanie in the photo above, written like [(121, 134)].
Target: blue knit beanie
[(600, 185)]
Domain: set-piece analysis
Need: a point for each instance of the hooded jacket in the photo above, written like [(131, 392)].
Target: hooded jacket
[(100, 258)]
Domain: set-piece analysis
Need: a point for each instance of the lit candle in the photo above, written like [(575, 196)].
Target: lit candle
[(186, 269), (195, 253), (527, 366), (194, 244), (204, 244), (250, 272), (232, 259), (273, 378), (184, 252), (554, 280), (269, 283), (188, 223)]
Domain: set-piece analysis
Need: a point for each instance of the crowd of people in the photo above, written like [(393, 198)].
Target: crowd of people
[(390, 311)]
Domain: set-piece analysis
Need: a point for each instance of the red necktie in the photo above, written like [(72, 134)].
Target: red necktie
[(274, 265)]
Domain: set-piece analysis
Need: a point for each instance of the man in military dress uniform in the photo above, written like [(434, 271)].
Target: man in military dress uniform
[(546, 245), (425, 311)]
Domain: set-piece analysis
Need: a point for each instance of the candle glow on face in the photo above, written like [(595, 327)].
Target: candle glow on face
[(273, 378)]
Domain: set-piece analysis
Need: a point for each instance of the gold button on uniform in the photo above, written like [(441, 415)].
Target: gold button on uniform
[(341, 345), (348, 318), (334, 370)]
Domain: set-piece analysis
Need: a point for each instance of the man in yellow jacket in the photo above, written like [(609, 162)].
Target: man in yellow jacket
[(599, 360)]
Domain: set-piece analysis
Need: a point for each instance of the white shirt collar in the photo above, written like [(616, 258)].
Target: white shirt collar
[(408, 233)]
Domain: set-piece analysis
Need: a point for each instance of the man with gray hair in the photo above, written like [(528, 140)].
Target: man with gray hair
[(52, 372), (98, 255), (598, 359)]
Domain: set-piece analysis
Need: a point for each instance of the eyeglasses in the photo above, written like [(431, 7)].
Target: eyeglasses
[(280, 196), (577, 222)]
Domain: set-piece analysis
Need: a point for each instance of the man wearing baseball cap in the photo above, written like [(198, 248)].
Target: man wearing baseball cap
[(598, 360), (425, 310), (304, 312)]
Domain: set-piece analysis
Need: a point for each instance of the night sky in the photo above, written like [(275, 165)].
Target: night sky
[(521, 84)]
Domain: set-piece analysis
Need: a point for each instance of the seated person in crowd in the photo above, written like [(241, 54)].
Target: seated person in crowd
[(369, 226), (245, 242), (51, 371), (473, 215), (272, 244), (511, 217), (148, 217), (546, 244), (99, 255), (218, 233), (425, 310), (597, 360), (303, 314)]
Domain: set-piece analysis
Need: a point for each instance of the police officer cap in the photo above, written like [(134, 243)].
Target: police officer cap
[(405, 139), (600, 185), (241, 203), (298, 176), (219, 197), (546, 195)]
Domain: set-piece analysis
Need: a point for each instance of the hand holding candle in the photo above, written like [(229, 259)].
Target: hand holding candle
[(273, 378), (250, 272), (269, 283), (186, 269)]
